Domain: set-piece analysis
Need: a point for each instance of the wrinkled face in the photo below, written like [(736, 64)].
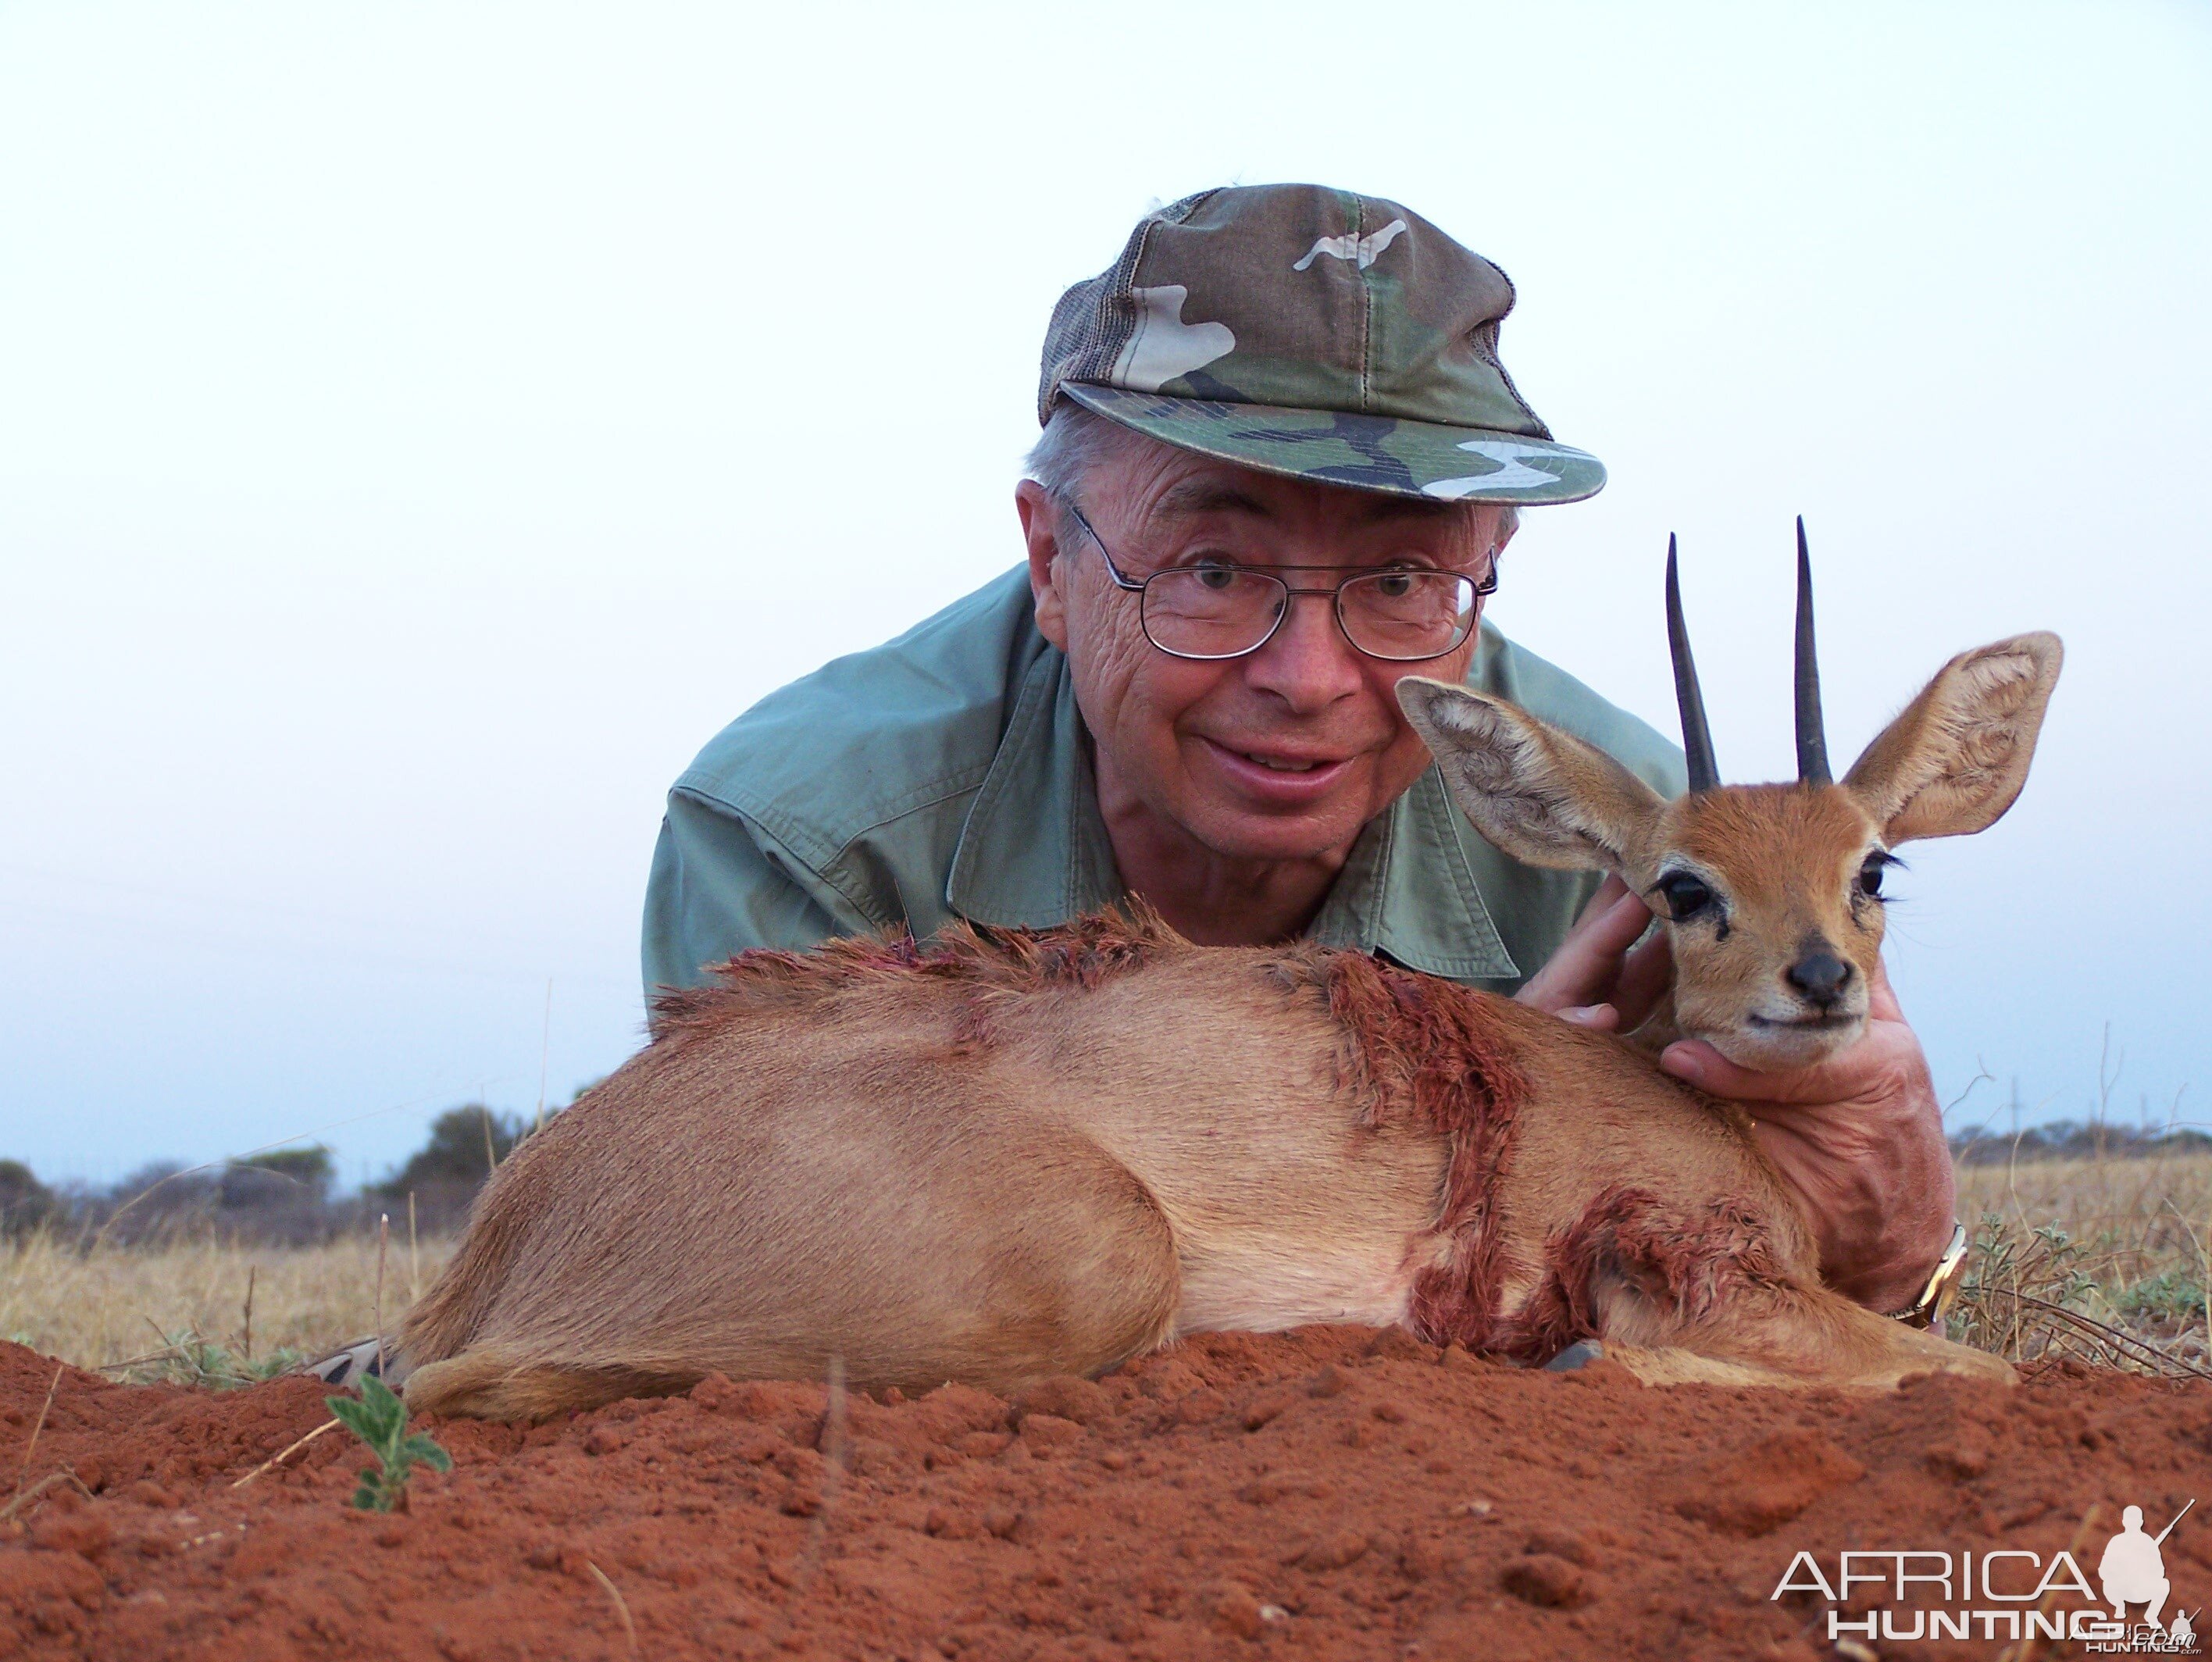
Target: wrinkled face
[(1284, 754), (1772, 895)]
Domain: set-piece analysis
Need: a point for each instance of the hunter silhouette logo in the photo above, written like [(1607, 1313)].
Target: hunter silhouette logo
[(2133, 1570), (1361, 251)]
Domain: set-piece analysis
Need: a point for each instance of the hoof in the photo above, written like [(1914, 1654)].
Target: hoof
[(348, 1366), (1580, 1353)]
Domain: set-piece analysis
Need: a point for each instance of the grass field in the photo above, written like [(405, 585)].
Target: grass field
[(2120, 1243), (2100, 1258), (178, 1310)]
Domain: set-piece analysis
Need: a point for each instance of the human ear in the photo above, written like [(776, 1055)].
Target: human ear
[(1040, 518), (1509, 526)]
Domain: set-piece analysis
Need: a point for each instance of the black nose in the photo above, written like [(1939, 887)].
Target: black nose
[(1820, 976)]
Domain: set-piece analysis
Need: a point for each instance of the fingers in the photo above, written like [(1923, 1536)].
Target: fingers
[(1614, 930), (1645, 977), (1696, 1063), (1581, 973), (1608, 892), (1601, 1018), (1882, 1064), (1613, 919), (1588, 962), (1881, 997)]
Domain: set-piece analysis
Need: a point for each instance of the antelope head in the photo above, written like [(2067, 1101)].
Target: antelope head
[(1771, 894)]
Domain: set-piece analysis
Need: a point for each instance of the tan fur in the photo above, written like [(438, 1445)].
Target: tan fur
[(1786, 857), (1784, 861), (999, 1156), (1201, 1143), (1957, 758)]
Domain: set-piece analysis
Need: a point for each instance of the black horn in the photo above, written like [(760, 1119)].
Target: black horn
[(1811, 735), (1696, 737)]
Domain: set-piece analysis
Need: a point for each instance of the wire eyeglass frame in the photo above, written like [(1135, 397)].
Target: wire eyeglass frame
[(1472, 591)]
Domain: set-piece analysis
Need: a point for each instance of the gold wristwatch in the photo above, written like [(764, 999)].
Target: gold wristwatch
[(1928, 1310)]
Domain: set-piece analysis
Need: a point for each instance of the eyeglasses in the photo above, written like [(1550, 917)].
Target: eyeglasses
[(1211, 611)]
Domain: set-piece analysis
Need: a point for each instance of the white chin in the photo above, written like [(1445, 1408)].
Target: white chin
[(1783, 1049)]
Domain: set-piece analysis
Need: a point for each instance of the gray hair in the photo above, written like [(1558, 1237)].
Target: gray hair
[(1075, 440)]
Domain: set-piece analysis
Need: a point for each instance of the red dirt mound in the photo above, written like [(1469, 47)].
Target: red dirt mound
[(1326, 1492)]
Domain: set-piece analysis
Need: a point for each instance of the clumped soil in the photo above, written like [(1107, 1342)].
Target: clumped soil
[(1332, 1492)]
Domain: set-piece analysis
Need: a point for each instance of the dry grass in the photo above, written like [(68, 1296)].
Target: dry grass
[(177, 1310), (2063, 1248)]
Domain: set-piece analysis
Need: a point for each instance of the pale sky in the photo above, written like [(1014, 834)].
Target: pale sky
[(423, 426)]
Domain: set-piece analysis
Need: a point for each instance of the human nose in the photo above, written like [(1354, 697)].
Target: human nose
[(1307, 662)]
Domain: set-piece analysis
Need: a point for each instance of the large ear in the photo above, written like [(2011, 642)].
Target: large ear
[(1957, 758), (1542, 796)]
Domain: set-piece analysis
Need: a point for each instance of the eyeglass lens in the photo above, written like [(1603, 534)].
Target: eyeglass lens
[(1224, 612)]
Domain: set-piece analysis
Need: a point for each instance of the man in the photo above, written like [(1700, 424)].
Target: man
[(2133, 1570), (1280, 462)]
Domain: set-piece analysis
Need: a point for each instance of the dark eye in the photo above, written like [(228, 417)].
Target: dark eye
[(1686, 896), (1394, 586), (1216, 577), (1870, 883)]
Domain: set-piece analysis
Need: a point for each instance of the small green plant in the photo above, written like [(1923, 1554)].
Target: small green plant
[(379, 1419), (187, 1357), (2017, 1281), (2171, 1295)]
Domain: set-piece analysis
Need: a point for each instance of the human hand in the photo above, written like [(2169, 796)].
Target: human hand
[(1860, 1136), (1594, 980)]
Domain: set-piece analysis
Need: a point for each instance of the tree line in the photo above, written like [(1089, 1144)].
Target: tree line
[(286, 1196)]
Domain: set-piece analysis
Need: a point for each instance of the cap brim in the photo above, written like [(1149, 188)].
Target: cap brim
[(1385, 453)]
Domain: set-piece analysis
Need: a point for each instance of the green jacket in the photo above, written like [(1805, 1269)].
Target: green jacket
[(944, 775)]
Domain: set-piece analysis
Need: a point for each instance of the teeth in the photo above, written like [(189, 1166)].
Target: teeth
[(1282, 766)]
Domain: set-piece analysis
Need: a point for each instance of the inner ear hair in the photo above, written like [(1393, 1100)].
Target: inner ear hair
[(1541, 795), (1957, 757)]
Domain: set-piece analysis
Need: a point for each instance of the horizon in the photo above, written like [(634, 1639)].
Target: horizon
[(2044, 1141)]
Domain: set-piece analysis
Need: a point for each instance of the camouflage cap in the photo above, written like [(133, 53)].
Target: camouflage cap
[(1313, 332)]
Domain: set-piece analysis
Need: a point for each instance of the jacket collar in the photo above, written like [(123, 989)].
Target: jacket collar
[(1034, 853)]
